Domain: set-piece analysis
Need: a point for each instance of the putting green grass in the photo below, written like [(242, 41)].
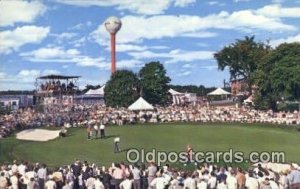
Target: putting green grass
[(164, 137)]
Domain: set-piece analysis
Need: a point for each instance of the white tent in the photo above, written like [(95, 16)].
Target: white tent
[(99, 91), (173, 92), (219, 91), (140, 104)]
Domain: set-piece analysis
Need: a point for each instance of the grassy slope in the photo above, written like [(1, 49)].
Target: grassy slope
[(205, 137)]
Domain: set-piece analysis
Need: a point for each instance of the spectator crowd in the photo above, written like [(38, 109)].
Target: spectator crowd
[(80, 115), (82, 175)]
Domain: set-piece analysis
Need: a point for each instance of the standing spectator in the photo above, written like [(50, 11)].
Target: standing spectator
[(231, 180), (251, 182), (3, 181), (14, 181), (98, 183), (32, 184), (96, 129), (159, 182), (212, 181), (127, 183), (265, 184), (221, 175), (202, 184), (152, 169), (42, 176), (241, 179), (50, 184), (295, 178), (136, 172), (118, 175)]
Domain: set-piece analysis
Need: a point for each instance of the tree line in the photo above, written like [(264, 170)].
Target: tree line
[(274, 73)]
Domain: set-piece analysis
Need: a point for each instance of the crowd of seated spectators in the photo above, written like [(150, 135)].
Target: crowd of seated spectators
[(56, 86)]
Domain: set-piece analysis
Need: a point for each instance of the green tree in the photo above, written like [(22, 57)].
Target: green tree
[(278, 76), (154, 83), (242, 58), (122, 89)]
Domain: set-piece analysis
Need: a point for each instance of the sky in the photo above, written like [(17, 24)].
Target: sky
[(68, 37)]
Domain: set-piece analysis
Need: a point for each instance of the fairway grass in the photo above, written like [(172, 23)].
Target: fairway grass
[(163, 137)]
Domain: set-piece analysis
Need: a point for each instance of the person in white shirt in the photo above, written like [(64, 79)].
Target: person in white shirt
[(189, 182), (90, 183), (98, 184), (102, 131), (14, 167), (174, 184), (14, 181), (202, 184), (21, 169), (42, 176), (251, 182), (283, 181), (127, 183), (231, 180), (212, 181), (50, 184), (159, 182), (273, 184), (96, 129)]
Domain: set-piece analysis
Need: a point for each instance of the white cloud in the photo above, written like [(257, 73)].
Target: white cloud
[(60, 38), (81, 25), (24, 79), (290, 39), (278, 1), (145, 7), (174, 56), (79, 42), (210, 67), (51, 52), (129, 47), (20, 11), (200, 34), (2, 75), (212, 3), (14, 39), (188, 66), (237, 1), (123, 64), (185, 73), (278, 11), (136, 28), (60, 55), (183, 3)]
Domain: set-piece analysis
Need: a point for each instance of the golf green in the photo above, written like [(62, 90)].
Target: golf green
[(164, 137)]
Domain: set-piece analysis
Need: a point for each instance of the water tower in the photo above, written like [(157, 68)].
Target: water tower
[(113, 25)]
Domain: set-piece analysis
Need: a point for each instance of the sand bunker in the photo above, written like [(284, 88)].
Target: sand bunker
[(37, 135)]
